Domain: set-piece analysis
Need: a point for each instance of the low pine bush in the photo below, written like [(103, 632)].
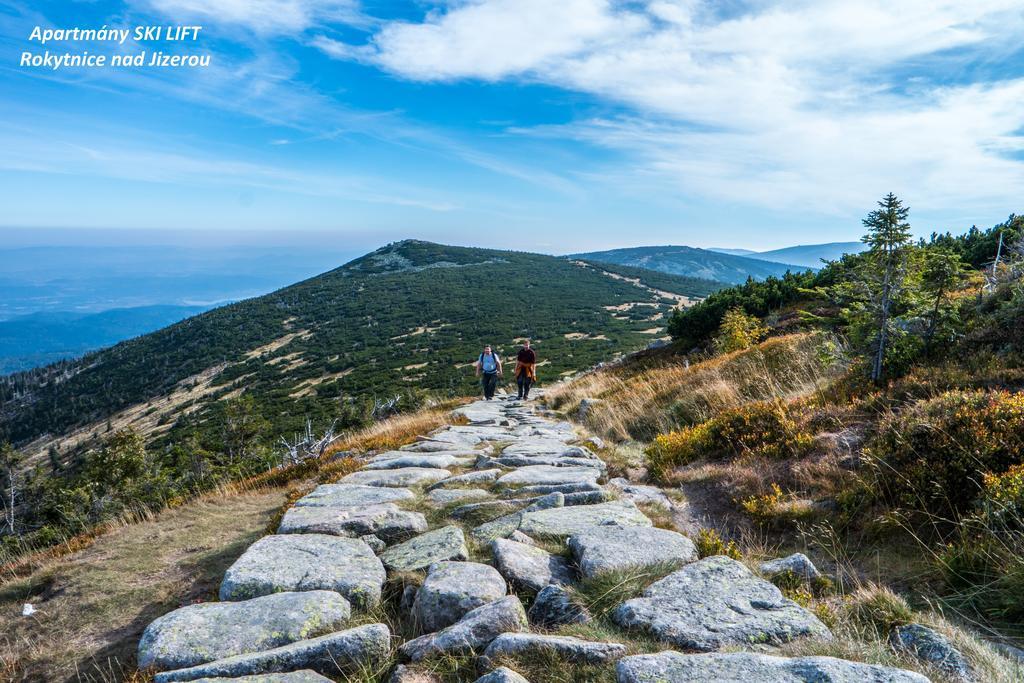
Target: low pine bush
[(935, 456)]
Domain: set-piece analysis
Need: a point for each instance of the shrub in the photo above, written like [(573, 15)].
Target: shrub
[(710, 543), (775, 508), (1003, 497), (763, 428), (738, 331), (935, 455)]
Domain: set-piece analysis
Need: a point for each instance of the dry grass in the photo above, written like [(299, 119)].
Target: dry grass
[(641, 401), (93, 604), (398, 430), (862, 619)]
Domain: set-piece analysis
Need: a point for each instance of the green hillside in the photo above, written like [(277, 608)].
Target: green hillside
[(410, 315)]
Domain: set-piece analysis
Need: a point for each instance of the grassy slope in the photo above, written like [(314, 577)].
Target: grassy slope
[(93, 605)]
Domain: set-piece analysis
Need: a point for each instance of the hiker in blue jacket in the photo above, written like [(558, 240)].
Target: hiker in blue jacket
[(489, 366)]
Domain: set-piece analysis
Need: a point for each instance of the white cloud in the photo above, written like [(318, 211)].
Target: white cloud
[(262, 16), (821, 103)]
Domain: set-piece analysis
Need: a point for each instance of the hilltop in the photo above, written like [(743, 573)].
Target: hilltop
[(412, 314), (693, 262)]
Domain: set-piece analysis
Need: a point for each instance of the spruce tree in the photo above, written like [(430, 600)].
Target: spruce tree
[(889, 238)]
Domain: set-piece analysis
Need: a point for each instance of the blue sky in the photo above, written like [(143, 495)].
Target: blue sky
[(548, 126)]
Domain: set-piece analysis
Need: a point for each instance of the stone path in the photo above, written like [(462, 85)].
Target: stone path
[(473, 512)]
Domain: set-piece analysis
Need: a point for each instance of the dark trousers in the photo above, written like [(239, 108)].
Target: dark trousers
[(490, 383), (524, 382)]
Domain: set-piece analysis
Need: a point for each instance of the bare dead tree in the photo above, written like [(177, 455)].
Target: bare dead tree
[(9, 461), (307, 446), (383, 408)]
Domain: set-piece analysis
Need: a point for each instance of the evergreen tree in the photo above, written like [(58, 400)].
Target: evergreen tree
[(943, 272), (889, 238)]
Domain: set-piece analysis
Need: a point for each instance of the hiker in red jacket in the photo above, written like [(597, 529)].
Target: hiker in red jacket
[(526, 370)]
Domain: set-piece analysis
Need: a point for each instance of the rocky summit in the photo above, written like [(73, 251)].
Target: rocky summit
[(472, 520)]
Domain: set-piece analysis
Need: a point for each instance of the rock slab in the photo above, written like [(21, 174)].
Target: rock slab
[(403, 476), (446, 543), (201, 633), (306, 562), (798, 564), (744, 667), (611, 547), (451, 590), (566, 648), (384, 520), (305, 676), (472, 633), (352, 495), (502, 674), (930, 646), (529, 567), (554, 606), (717, 602), (341, 652)]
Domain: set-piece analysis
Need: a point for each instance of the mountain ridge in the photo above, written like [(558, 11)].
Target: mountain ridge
[(410, 315), (692, 262)]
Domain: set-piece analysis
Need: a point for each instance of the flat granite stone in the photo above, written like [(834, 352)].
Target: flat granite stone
[(403, 476), (716, 602), (798, 564), (408, 674), (471, 633), (305, 676), (502, 674), (335, 653), (549, 474), (555, 606), (640, 493), (390, 461), (429, 446), (566, 648), (453, 589), (490, 509), (446, 543), (446, 496), (541, 447), (747, 667), (551, 461), (568, 521), (529, 567), (560, 522), (385, 520), (352, 495), (930, 646), (201, 633), (305, 562), (610, 547), (566, 489), (477, 477)]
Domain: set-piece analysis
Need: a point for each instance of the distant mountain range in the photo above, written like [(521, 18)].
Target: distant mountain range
[(809, 255), (41, 338), (693, 262)]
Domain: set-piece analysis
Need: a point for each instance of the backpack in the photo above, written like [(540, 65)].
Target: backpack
[(491, 365)]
